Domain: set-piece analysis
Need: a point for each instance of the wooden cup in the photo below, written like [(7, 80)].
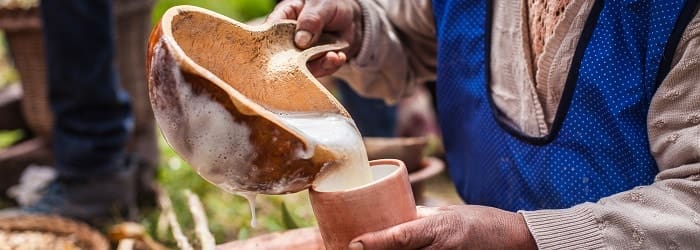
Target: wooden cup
[(387, 201)]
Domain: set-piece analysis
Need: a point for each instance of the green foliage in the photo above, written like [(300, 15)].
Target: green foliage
[(8, 74), (241, 10), (287, 218), (9, 137)]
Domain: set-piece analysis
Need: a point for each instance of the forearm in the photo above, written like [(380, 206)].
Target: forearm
[(397, 50), (665, 214)]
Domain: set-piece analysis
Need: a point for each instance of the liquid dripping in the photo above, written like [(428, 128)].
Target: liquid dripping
[(339, 134), (251, 203)]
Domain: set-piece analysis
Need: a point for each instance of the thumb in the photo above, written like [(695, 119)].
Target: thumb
[(312, 19), (410, 235)]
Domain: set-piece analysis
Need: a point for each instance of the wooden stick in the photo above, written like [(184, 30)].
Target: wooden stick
[(162, 227), (166, 206), (126, 244), (200, 221)]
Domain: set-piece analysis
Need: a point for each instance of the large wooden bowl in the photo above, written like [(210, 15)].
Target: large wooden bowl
[(216, 87)]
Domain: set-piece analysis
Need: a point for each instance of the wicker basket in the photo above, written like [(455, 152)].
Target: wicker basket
[(23, 33), (81, 234)]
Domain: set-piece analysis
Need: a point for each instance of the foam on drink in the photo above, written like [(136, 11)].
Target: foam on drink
[(216, 144), (340, 135)]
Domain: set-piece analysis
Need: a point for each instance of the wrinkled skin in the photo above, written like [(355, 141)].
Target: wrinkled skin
[(342, 19), (453, 227)]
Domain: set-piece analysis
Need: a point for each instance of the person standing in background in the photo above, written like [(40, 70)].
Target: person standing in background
[(96, 178)]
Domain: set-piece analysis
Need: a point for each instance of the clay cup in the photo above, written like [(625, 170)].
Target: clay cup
[(387, 201)]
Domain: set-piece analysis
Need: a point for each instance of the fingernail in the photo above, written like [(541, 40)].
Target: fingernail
[(302, 38), (356, 246)]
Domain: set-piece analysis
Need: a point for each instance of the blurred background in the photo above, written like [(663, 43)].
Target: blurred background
[(229, 215)]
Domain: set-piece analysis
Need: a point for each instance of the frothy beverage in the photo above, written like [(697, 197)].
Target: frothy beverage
[(340, 135), (222, 91), (218, 147)]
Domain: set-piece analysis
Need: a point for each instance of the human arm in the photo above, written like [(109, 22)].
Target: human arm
[(662, 214), (665, 214), (453, 227), (392, 43)]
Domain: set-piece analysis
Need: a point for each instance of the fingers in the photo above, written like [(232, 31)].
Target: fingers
[(311, 21), (328, 64), (410, 235), (313, 17), (288, 9)]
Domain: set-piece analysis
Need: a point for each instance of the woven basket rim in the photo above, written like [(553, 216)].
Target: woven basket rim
[(59, 226)]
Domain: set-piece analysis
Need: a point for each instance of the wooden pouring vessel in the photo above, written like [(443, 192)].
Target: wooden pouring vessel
[(216, 87)]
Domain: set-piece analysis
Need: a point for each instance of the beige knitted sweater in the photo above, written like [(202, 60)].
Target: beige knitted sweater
[(399, 51)]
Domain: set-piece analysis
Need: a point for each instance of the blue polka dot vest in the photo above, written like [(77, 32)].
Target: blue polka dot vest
[(598, 145)]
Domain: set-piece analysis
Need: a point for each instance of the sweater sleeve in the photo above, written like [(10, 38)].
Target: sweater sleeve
[(398, 49), (665, 214)]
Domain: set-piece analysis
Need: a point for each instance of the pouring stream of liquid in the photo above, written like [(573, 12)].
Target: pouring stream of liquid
[(337, 133), (340, 135)]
